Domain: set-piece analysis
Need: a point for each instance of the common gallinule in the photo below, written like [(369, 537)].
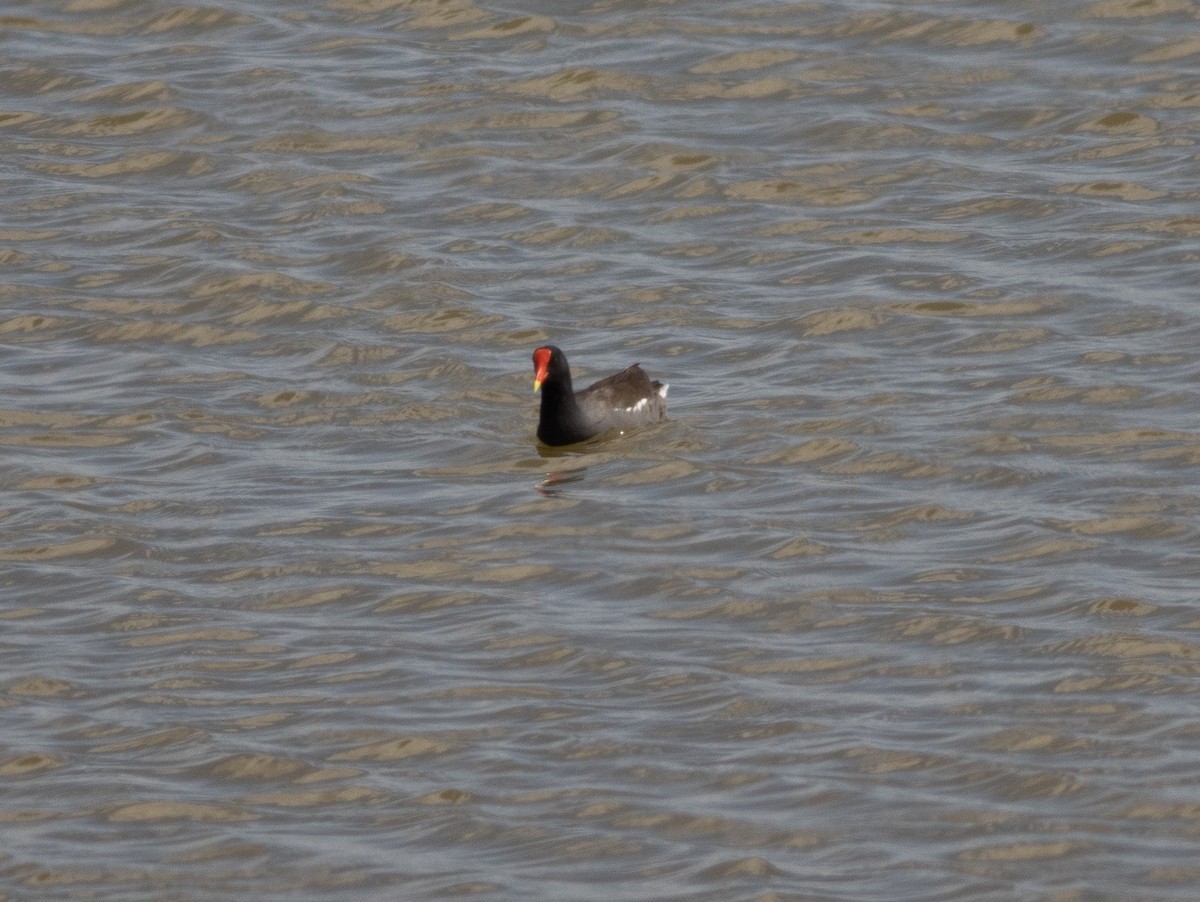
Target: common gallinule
[(625, 399)]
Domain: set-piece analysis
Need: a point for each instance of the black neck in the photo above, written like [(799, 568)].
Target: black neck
[(561, 418)]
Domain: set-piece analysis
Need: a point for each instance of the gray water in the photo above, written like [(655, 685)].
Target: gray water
[(900, 604)]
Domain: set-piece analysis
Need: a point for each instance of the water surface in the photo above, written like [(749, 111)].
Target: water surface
[(899, 605)]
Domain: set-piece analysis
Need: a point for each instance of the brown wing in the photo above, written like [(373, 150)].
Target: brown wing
[(627, 398), (623, 389)]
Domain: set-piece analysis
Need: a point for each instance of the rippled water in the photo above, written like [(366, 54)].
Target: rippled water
[(901, 604)]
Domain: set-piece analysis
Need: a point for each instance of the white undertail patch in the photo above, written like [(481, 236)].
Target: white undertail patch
[(662, 389)]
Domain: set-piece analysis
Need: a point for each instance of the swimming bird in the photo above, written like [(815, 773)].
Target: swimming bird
[(625, 399)]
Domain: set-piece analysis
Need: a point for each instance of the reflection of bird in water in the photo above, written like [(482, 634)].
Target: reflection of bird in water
[(549, 485)]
